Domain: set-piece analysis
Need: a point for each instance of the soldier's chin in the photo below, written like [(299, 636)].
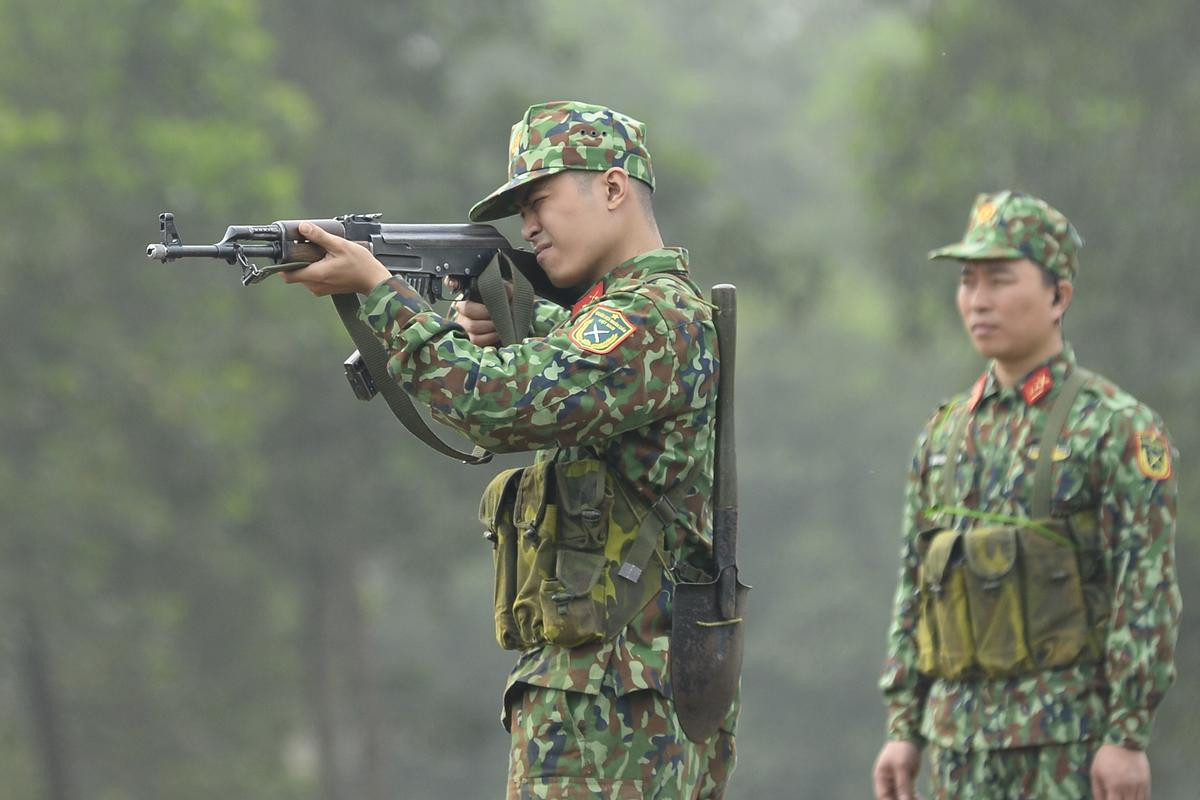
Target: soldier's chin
[(987, 346), (564, 278)]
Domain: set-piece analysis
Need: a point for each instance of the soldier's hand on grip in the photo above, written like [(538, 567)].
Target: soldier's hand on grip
[(474, 317)]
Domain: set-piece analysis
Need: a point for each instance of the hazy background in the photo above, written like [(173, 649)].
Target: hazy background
[(222, 576)]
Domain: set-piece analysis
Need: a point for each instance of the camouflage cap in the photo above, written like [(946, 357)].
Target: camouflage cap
[(567, 134), (1017, 225)]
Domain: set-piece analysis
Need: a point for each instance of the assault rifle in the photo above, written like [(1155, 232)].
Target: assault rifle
[(477, 256)]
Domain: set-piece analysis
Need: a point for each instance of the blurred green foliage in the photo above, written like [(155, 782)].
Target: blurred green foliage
[(221, 576)]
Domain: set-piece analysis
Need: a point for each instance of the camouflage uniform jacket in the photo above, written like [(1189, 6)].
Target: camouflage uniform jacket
[(1115, 458), (647, 406)]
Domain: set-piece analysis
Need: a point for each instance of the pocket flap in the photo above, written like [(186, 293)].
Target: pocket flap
[(938, 554), (497, 496), (991, 551), (579, 572), (579, 485), (531, 495)]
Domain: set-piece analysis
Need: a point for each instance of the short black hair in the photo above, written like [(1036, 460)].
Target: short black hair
[(1049, 278), (641, 191)]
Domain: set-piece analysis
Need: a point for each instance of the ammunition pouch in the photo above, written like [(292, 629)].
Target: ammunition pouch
[(573, 552), (1004, 600)]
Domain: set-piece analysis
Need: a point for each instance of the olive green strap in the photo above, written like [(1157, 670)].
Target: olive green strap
[(512, 323), (1004, 519), (1039, 506), (950, 474), (376, 358), (513, 319), (660, 515)]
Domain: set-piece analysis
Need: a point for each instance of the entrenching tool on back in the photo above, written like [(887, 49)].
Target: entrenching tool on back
[(707, 628)]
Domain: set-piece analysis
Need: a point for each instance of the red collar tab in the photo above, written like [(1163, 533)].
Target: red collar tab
[(977, 392), (1037, 386), (594, 293)]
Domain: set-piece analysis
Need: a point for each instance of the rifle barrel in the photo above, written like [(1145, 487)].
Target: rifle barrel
[(170, 252)]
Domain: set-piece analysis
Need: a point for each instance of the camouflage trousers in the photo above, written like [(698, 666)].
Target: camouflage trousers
[(1050, 772), (569, 745)]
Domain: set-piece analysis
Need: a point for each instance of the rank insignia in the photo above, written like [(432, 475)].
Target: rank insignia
[(594, 293), (1153, 455), (600, 330), (1036, 387), (977, 392)]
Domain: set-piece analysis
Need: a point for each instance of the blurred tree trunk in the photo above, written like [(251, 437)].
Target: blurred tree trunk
[(361, 686), (340, 680), (319, 647), (44, 706)]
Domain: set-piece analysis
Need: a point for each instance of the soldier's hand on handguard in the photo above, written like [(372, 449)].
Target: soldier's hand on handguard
[(475, 318), (1119, 773), (896, 771), (347, 266)]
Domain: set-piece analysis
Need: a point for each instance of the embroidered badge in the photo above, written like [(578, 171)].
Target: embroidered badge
[(600, 330), (594, 293), (1059, 453), (1036, 387), (977, 392), (515, 142), (984, 214), (1153, 455)]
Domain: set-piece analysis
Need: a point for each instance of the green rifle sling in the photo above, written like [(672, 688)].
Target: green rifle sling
[(512, 324), (1051, 433)]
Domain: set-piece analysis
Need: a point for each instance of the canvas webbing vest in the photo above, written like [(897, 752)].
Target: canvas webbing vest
[(1009, 595), (577, 553)]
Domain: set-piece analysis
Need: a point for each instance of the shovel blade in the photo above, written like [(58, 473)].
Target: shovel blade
[(706, 657)]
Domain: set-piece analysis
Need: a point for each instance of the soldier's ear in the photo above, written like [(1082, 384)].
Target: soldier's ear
[(616, 186), (1063, 293)]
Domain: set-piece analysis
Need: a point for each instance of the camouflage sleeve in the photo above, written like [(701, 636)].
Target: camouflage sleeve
[(547, 316), (904, 689), (1137, 517), (579, 384)]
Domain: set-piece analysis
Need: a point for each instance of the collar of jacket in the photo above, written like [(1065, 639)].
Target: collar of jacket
[(638, 268), (1038, 386)]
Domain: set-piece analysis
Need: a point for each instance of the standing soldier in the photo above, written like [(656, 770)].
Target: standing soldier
[(1035, 619), (618, 396)]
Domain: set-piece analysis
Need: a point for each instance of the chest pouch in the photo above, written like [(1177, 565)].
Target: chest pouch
[(1056, 615), (945, 643), (578, 567), (993, 585), (512, 530), (1003, 600)]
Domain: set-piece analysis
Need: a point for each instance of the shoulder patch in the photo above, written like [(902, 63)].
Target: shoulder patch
[(1153, 455), (601, 330)]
